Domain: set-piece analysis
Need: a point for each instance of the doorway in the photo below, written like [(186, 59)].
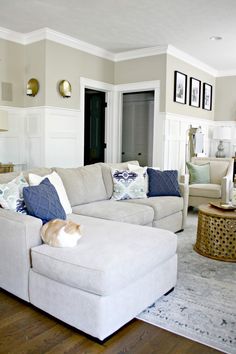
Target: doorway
[(137, 127), (94, 126)]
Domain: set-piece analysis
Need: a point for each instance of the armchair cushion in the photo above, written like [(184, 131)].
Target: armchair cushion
[(208, 190), (199, 174)]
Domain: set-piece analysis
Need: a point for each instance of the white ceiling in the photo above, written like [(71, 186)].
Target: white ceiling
[(122, 25)]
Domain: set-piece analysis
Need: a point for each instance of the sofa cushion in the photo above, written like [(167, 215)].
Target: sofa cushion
[(162, 206), (42, 201), (83, 184), (218, 169), (163, 183), (56, 181), (208, 190), (128, 184), (118, 211), (107, 177), (109, 257), (7, 177)]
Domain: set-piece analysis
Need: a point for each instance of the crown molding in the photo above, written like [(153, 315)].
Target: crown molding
[(191, 60), (64, 39), (11, 35), (222, 73), (140, 53), (47, 33)]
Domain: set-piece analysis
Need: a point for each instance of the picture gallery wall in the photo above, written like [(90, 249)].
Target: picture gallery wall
[(200, 95)]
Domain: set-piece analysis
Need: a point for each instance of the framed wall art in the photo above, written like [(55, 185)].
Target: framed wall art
[(207, 97), (194, 92), (180, 87)]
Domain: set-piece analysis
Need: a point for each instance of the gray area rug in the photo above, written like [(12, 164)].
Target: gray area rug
[(203, 305)]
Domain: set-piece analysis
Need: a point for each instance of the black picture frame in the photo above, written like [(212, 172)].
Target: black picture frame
[(194, 92), (207, 97), (180, 87)]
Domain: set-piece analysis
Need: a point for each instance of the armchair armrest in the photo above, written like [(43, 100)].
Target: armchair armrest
[(226, 184), (184, 190), (184, 178)]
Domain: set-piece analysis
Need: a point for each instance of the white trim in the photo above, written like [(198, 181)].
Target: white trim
[(138, 86), (177, 53), (10, 35), (223, 73), (181, 117), (140, 53), (157, 132), (94, 84), (47, 33), (108, 89)]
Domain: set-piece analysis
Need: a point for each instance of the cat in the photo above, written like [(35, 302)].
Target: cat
[(61, 233)]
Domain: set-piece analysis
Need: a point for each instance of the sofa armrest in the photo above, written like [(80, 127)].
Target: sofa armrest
[(18, 233), (184, 190)]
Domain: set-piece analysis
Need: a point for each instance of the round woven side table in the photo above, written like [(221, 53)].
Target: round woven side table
[(216, 233)]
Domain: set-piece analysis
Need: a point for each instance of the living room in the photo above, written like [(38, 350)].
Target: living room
[(139, 48)]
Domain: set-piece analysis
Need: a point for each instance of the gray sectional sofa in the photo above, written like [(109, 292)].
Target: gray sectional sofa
[(120, 266)]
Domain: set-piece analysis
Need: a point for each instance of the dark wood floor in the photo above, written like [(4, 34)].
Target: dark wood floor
[(25, 329)]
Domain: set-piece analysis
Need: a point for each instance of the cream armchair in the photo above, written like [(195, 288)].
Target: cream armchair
[(221, 176)]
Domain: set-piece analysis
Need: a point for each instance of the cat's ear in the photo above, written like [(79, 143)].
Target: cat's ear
[(81, 229)]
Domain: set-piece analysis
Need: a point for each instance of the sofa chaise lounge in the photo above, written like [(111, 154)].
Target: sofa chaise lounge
[(94, 286)]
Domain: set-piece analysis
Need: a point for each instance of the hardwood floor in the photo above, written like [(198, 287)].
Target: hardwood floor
[(25, 329)]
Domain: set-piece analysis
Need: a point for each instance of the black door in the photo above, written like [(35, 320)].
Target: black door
[(94, 129)]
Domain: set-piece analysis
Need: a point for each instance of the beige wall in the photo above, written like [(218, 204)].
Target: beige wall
[(225, 108), (143, 69), (35, 58), (65, 63), (12, 71), (50, 62), (191, 71)]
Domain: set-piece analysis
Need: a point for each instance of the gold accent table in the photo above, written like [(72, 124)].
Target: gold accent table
[(5, 168), (216, 233)]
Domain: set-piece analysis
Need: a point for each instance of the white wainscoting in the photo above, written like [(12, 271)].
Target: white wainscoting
[(176, 139), (53, 137), (12, 142)]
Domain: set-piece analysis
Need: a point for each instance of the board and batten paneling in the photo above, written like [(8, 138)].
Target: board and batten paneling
[(12, 142), (53, 137), (176, 139)]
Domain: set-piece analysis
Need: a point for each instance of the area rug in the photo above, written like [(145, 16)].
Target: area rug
[(203, 305)]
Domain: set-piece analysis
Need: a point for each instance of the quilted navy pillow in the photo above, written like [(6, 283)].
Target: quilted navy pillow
[(42, 201), (162, 183)]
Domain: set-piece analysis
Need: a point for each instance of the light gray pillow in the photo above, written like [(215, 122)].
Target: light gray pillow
[(11, 194)]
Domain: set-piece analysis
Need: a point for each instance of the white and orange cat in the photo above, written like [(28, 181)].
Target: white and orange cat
[(61, 233)]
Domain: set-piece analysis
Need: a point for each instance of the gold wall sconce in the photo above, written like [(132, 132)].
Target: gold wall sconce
[(32, 87), (65, 88)]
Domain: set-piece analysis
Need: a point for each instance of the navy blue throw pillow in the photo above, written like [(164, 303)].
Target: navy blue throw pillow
[(42, 201), (163, 183)]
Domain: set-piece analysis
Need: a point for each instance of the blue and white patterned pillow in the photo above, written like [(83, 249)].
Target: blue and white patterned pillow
[(128, 184), (11, 194)]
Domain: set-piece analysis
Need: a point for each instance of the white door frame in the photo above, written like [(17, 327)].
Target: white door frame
[(108, 89), (157, 157)]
